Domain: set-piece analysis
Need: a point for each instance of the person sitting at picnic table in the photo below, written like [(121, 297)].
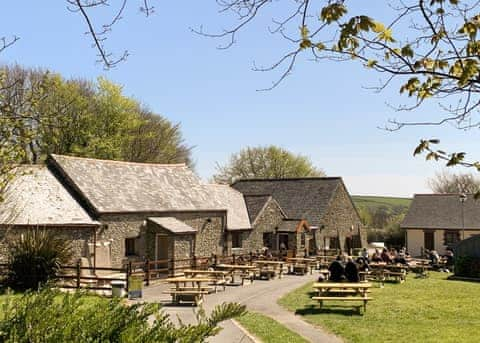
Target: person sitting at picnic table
[(449, 257), (434, 257), (351, 271), (376, 257), (386, 256), (362, 264), (400, 256), (365, 254), (337, 272)]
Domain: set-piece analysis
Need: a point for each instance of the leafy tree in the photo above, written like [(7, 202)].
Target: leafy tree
[(265, 162), (52, 316), (454, 183), (429, 49), (54, 115)]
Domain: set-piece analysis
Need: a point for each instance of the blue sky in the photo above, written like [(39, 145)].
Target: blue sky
[(322, 110)]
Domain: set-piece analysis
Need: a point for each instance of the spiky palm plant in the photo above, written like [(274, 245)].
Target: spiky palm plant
[(35, 257)]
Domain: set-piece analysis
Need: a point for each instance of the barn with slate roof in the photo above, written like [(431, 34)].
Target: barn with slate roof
[(440, 221), (323, 203), (155, 211)]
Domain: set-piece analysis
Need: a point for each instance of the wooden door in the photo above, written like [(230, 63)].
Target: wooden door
[(429, 240), (162, 244)]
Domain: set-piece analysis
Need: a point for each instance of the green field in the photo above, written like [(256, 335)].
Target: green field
[(373, 202), (420, 310)]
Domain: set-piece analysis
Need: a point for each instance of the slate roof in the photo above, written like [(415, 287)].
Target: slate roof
[(173, 225), (442, 211), (255, 204), (306, 198), (237, 214), (126, 187), (36, 197), (118, 187)]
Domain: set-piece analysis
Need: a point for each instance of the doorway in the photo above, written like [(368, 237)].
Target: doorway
[(429, 240), (162, 244)]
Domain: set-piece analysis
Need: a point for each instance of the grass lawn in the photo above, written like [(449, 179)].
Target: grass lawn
[(419, 310), (268, 330)]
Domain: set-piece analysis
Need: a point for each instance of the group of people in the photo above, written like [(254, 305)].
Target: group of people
[(390, 256), (345, 269)]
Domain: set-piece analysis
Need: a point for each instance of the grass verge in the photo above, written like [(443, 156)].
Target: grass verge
[(420, 310), (268, 330)]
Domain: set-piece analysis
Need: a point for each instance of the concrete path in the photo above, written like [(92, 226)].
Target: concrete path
[(261, 296)]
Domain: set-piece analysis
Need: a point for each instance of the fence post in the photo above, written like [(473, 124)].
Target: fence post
[(128, 272), (194, 264), (214, 259), (78, 274), (233, 258), (147, 272)]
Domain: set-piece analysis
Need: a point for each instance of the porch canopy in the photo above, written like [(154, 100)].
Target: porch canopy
[(172, 225)]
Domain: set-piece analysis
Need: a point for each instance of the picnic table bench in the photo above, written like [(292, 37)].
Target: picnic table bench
[(268, 269), (188, 289), (342, 291), (219, 276), (246, 272), (301, 265)]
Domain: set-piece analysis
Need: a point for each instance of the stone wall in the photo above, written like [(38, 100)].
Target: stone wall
[(268, 221), (78, 237), (340, 216), (209, 239)]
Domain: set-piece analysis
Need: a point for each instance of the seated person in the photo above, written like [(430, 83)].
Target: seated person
[(351, 271), (400, 257), (337, 272), (386, 256), (449, 257), (376, 257), (434, 257), (362, 264), (365, 254)]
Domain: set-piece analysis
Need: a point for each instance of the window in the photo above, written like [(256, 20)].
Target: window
[(333, 243), (130, 246), (236, 239), (268, 239), (451, 237)]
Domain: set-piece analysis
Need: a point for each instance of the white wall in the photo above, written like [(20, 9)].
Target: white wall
[(414, 241)]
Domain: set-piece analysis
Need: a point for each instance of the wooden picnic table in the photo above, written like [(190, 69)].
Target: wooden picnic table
[(193, 293), (301, 264), (342, 291), (246, 271), (219, 276), (265, 265)]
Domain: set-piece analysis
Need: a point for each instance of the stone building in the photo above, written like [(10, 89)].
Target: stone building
[(36, 199), (321, 208), (154, 211)]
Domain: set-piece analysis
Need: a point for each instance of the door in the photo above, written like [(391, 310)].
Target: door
[(429, 240), (162, 244)]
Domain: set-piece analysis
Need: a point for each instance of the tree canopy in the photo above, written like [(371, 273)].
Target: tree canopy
[(446, 182), (265, 162), (429, 49), (43, 113)]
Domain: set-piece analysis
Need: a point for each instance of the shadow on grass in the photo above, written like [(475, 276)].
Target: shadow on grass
[(331, 309)]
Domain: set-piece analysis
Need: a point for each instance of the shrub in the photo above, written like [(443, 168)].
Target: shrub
[(35, 258), (467, 266), (51, 316)]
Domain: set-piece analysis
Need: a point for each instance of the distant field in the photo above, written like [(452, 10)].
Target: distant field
[(374, 202)]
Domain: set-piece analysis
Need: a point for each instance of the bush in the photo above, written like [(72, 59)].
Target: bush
[(35, 258), (51, 316), (467, 266)]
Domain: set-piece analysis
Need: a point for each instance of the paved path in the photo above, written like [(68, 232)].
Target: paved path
[(261, 296)]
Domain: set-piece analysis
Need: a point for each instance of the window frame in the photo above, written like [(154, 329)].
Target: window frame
[(130, 246)]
